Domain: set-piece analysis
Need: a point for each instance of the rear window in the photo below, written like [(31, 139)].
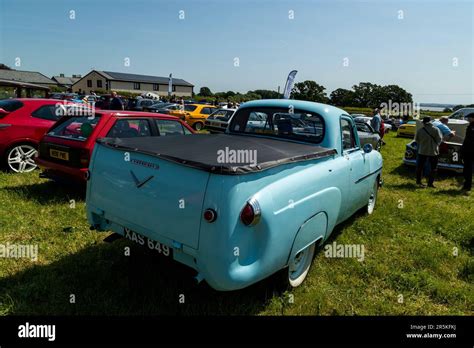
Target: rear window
[(10, 105), (75, 128), (190, 108), (221, 115), (46, 112), (168, 127), (130, 128), (297, 125)]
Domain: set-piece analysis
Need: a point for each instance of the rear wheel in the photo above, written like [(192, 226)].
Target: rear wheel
[(21, 158), (198, 126), (299, 266)]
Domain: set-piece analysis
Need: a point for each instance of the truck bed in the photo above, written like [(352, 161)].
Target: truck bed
[(201, 151)]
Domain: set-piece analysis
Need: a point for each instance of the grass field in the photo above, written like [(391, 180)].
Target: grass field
[(418, 259)]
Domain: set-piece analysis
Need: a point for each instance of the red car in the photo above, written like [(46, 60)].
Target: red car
[(23, 122), (65, 150)]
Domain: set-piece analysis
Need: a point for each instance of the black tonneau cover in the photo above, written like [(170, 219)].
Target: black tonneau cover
[(206, 151)]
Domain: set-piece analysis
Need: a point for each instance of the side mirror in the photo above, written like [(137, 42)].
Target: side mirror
[(368, 148)]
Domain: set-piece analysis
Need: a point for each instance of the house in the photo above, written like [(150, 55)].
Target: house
[(33, 77), (66, 81), (117, 81)]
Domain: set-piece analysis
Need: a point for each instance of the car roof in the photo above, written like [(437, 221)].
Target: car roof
[(115, 113)]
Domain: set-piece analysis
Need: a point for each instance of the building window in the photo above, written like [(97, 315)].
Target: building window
[(155, 87), (89, 83), (99, 83), (136, 85)]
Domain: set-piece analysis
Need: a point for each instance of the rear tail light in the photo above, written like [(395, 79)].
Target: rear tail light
[(251, 212), (84, 158)]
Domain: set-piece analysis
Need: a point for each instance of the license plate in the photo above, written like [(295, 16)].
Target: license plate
[(147, 242), (62, 155)]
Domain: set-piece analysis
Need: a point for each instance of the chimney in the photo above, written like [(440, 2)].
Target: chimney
[(61, 75)]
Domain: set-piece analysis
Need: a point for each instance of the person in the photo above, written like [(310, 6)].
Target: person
[(229, 104), (376, 123), (428, 139), (115, 102), (442, 125), (467, 153)]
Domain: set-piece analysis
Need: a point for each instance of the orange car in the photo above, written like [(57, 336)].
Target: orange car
[(196, 114)]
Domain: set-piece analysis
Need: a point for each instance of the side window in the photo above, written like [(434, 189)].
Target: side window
[(347, 134), (46, 112), (128, 128), (168, 127), (206, 111)]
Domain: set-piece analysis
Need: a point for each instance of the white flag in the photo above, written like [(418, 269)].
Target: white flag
[(289, 84)]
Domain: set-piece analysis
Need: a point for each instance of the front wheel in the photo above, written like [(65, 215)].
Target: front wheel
[(21, 158), (373, 197), (298, 267)]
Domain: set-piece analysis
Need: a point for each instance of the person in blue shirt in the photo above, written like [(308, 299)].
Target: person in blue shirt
[(442, 125)]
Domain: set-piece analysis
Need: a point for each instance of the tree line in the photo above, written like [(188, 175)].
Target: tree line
[(365, 94)]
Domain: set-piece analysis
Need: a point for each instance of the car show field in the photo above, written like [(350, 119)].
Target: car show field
[(416, 258)]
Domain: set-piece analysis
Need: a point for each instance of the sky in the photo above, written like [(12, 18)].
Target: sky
[(426, 47)]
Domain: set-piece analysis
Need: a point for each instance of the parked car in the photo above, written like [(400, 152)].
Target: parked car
[(23, 123), (196, 114), (158, 107), (407, 129), (141, 104), (461, 114), (218, 121), (240, 206), (368, 135), (449, 151), (172, 109), (65, 151), (366, 119)]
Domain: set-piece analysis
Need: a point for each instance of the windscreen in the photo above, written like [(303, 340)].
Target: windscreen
[(285, 123), (75, 128)]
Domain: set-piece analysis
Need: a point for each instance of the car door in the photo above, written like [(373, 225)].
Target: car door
[(359, 165)]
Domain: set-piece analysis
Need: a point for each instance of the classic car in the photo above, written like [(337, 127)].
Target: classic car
[(407, 129), (64, 152), (367, 135), (449, 151), (23, 123), (461, 114), (218, 121), (366, 119), (196, 114), (243, 205)]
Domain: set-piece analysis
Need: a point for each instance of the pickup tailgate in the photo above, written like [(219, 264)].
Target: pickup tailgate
[(162, 197)]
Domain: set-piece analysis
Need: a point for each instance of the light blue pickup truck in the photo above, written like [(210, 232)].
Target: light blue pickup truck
[(240, 206)]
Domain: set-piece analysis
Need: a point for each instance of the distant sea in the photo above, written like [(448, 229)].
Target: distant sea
[(435, 107)]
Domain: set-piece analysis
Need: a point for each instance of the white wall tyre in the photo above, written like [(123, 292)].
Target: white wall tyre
[(299, 266), (373, 197), (21, 158)]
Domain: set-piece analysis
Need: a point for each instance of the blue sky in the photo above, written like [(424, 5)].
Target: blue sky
[(416, 52)]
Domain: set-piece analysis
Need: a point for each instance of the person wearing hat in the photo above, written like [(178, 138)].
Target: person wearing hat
[(467, 153), (428, 138)]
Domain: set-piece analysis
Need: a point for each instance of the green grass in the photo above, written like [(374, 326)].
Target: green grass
[(408, 252)]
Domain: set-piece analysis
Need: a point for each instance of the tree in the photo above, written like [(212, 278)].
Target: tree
[(309, 90), (266, 94), (342, 97), (205, 92), (364, 94), (4, 67)]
